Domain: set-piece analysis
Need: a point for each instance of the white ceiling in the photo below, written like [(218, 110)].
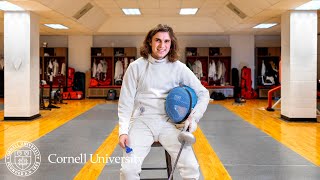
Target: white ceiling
[(106, 17)]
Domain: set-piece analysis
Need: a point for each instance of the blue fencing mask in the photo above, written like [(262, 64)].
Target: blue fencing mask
[(179, 103)]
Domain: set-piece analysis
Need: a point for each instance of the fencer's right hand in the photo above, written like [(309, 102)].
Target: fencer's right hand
[(190, 124), (123, 140)]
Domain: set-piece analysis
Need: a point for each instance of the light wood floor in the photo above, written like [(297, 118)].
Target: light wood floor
[(303, 138)]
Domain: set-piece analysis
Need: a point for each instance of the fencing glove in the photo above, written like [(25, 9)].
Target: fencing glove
[(190, 123)]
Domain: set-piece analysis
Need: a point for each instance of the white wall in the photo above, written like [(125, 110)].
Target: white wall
[(118, 41), (21, 38), (267, 41), (242, 53), (1, 46), (318, 57), (299, 60), (79, 52), (54, 41)]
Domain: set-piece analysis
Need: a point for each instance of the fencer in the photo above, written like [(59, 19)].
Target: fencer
[(141, 109)]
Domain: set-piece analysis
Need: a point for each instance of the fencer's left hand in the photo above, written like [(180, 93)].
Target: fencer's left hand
[(190, 124)]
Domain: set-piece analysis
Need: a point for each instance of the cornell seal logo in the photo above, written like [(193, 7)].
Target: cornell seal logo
[(23, 158)]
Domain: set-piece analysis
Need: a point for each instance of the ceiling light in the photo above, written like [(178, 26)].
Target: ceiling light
[(131, 11), (188, 11), (311, 5), (56, 26), (265, 25), (7, 6)]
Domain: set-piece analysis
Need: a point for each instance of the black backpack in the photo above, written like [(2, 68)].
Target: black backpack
[(112, 94), (79, 82), (217, 96), (235, 82)]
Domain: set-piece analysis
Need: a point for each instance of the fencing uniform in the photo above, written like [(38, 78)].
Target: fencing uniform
[(118, 72), (126, 63), (197, 69), (94, 69), (55, 68), (212, 71), (142, 115), (63, 69), (263, 68)]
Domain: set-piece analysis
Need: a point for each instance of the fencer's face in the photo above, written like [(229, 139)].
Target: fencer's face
[(160, 45)]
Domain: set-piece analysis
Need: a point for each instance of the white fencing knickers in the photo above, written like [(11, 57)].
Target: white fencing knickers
[(143, 132)]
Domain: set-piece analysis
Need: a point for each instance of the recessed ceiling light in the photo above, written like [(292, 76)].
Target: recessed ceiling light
[(7, 6), (265, 25), (311, 5), (131, 11), (56, 26), (188, 11)]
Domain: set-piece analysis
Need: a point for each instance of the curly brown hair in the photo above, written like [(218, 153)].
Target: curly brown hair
[(145, 49)]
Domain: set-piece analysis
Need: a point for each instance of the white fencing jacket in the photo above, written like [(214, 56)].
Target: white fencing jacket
[(146, 85), (118, 70), (197, 69), (212, 70), (55, 68), (263, 68), (94, 69), (63, 69)]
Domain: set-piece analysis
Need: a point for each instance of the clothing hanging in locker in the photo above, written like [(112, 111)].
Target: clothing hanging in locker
[(104, 66), (223, 73), (212, 70), (263, 68), (49, 67), (197, 69), (126, 63), (55, 68), (94, 68), (118, 70), (219, 69), (223, 70), (63, 69), (99, 67)]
